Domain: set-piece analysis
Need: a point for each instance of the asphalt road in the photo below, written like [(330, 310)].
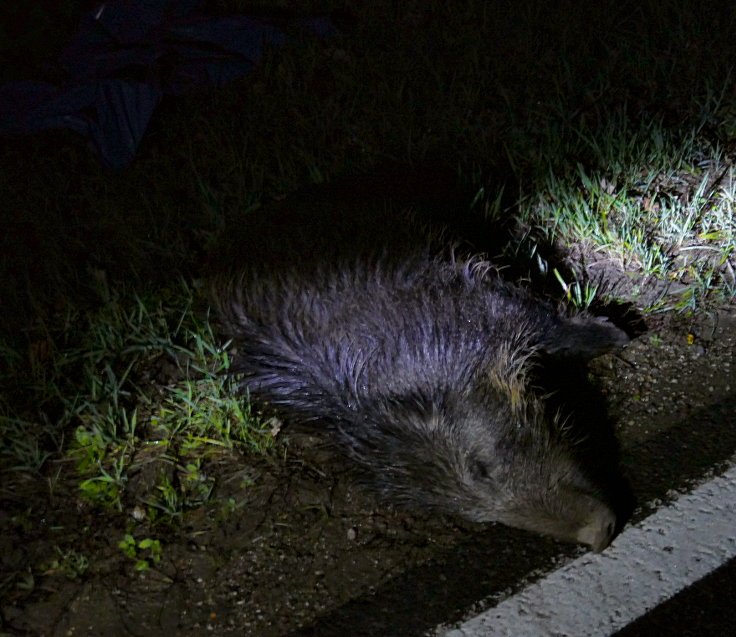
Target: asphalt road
[(704, 609)]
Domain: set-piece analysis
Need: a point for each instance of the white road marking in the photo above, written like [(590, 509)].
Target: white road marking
[(646, 565)]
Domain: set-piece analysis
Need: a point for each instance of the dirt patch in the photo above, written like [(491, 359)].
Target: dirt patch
[(671, 374), (299, 543)]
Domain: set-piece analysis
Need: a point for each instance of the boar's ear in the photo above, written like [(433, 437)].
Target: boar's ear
[(583, 337)]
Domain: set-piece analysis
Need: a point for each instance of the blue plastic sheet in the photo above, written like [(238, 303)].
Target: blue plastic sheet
[(125, 56)]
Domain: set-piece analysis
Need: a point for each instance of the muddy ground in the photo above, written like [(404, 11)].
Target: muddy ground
[(299, 538)]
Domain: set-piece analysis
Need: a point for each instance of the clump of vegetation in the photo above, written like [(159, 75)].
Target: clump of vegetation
[(146, 552), (652, 203), (67, 562), (139, 385)]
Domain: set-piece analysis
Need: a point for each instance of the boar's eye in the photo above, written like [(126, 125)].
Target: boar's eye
[(480, 470)]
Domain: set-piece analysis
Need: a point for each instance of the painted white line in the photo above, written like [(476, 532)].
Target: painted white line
[(646, 565)]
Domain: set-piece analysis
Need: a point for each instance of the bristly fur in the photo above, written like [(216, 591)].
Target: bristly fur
[(415, 362)]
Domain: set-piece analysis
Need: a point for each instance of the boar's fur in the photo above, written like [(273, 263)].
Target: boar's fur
[(415, 359)]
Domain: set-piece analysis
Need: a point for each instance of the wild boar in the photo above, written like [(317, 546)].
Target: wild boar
[(416, 359)]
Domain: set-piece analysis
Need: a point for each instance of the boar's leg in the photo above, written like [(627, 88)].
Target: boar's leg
[(583, 338)]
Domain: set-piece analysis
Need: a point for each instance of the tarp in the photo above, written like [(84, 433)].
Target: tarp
[(125, 56)]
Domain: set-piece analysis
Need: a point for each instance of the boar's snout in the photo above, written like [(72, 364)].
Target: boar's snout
[(599, 531)]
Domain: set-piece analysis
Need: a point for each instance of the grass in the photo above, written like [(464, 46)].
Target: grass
[(657, 204), (614, 125), (139, 384)]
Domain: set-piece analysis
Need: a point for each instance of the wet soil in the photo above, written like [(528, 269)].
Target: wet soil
[(291, 538)]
